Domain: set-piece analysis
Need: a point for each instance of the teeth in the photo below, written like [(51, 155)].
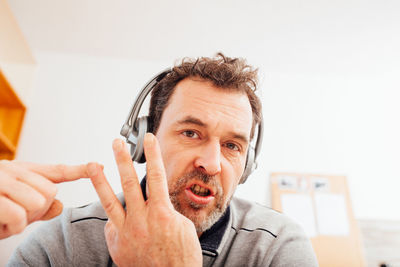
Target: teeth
[(200, 191)]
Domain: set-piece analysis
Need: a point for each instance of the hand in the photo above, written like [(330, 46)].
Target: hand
[(27, 192), (147, 233)]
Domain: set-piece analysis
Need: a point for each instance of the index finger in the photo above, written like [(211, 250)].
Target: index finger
[(57, 173), (156, 178), (129, 181), (108, 199)]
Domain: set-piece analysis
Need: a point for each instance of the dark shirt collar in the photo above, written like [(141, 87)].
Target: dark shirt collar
[(210, 239)]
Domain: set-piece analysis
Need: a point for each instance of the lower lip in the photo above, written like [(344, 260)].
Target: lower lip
[(198, 199)]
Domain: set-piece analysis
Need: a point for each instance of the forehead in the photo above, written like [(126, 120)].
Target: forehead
[(210, 104)]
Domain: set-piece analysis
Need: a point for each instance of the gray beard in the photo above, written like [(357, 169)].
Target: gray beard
[(201, 224)]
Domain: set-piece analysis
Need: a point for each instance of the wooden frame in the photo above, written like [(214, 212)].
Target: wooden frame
[(331, 250), (12, 113)]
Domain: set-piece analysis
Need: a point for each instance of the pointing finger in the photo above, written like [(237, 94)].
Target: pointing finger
[(57, 173)]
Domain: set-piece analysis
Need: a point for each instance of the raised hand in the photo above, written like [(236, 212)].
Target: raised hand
[(28, 190), (145, 233)]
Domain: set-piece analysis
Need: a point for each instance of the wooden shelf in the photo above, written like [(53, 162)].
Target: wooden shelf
[(12, 112), (16, 71), (7, 149)]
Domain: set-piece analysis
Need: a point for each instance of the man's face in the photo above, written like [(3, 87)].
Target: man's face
[(204, 135)]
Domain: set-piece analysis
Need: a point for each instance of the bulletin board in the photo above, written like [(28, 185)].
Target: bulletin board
[(321, 204)]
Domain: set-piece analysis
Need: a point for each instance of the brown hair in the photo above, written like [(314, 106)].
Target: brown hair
[(222, 71)]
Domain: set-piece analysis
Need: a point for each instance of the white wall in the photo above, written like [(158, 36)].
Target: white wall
[(76, 108), (330, 88)]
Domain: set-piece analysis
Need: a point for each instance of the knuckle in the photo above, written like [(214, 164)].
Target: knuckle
[(48, 189), (156, 173), (129, 182), (162, 214), (39, 203), (18, 217), (109, 207), (52, 191)]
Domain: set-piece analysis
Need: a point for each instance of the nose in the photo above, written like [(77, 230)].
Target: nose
[(209, 158)]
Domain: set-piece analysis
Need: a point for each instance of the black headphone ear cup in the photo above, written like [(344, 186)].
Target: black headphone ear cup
[(137, 152), (248, 169)]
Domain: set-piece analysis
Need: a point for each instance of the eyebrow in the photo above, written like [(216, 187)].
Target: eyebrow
[(198, 122), (192, 120)]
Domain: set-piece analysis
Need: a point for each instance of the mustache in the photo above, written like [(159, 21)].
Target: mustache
[(205, 178)]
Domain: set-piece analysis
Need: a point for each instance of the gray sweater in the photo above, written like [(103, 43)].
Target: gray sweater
[(247, 235)]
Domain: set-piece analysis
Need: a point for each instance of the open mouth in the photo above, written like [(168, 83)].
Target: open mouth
[(200, 191)]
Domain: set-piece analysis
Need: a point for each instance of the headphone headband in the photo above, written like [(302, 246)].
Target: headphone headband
[(129, 124)]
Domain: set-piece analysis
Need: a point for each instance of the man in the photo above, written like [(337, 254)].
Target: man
[(203, 115)]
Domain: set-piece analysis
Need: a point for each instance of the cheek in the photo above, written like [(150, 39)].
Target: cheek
[(232, 175), (176, 161), (230, 180)]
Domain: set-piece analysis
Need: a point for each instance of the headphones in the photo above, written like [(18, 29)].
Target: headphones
[(135, 128)]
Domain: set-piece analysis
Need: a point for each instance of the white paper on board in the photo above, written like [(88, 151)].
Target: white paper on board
[(320, 184), (331, 212), (300, 208), (288, 182)]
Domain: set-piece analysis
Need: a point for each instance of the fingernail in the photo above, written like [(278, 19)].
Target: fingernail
[(149, 140), (117, 144)]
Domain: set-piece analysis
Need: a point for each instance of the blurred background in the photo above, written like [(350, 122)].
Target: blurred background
[(329, 83)]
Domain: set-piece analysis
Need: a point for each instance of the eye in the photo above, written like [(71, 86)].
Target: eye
[(232, 146), (190, 134)]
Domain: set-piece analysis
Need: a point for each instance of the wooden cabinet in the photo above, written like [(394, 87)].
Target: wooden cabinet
[(12, 112)]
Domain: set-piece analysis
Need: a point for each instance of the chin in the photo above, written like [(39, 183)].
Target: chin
[(203, 213), (203, 218)]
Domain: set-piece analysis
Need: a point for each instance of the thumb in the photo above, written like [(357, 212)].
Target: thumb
[(54, 210)]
